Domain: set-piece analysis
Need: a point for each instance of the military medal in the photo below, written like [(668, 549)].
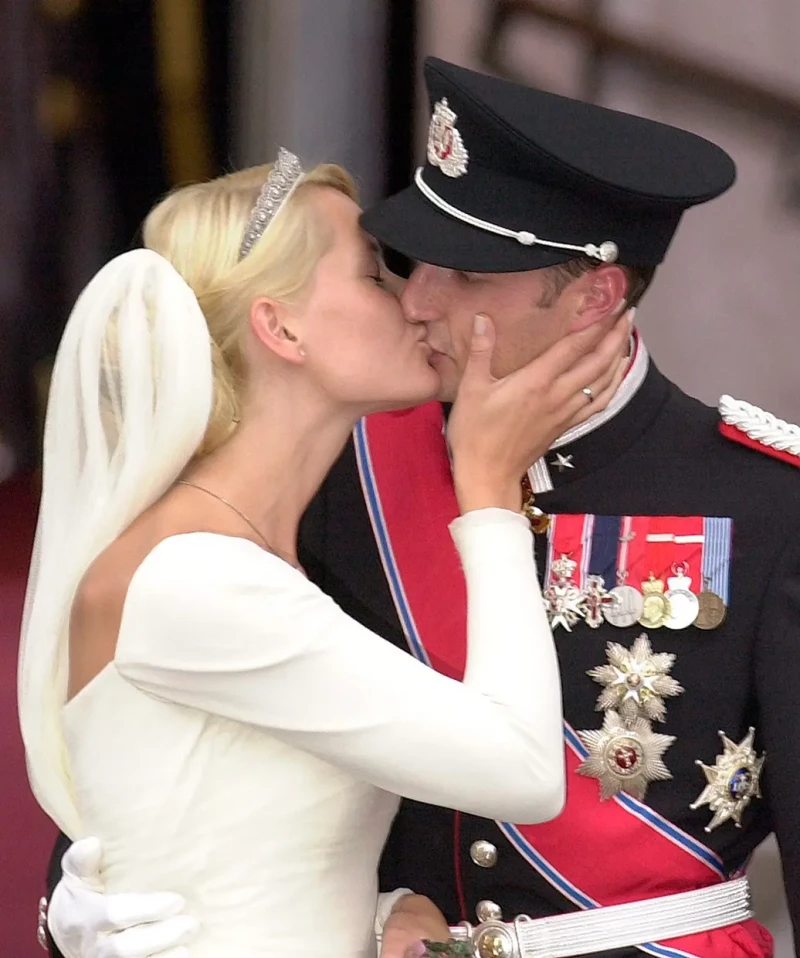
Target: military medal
[(595, 598), (564, 605), (567, 554), (563, 568), (564, 600), (683, 603), (624, 756), (625, 606), (715, 595), (603, 537), (636, 681), (733, 781), (655, 605), (673, 543), (711, 610)]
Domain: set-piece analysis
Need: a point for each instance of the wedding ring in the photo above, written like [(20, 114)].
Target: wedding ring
[(589, 394)]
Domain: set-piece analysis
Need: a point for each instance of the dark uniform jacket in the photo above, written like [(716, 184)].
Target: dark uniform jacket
[(662, 455)]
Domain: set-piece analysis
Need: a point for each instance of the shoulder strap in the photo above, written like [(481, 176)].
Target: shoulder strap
[(747, 424)]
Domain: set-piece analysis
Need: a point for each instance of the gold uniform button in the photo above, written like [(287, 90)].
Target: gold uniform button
[(483, 853), (488, 911)]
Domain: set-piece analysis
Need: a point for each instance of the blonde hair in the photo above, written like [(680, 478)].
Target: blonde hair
[(199, 229)]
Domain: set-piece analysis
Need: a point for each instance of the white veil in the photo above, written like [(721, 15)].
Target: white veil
[(129, 402)]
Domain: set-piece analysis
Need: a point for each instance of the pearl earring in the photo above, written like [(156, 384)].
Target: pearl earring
[(301, 351)]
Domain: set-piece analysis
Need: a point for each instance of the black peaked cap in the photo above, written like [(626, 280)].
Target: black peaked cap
[(561, 169)]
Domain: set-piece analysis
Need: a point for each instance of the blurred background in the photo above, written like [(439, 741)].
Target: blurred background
[(107, 104)]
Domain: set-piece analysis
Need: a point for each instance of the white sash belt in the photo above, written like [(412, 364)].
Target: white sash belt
[(613, 926)]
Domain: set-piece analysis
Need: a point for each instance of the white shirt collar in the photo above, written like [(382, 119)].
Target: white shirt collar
[(539, 474)]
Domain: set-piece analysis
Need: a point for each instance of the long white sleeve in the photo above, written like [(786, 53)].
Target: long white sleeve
[(217, 624)]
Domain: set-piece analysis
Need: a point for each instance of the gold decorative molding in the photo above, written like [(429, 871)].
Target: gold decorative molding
[(181, 66), (60, 107)]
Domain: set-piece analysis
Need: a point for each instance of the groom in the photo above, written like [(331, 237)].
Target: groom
[(673, 588)]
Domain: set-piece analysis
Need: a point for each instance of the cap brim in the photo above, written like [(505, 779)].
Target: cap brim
[(413, 226)]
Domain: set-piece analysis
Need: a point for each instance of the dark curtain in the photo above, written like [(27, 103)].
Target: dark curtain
[(99, 119), (401, 91), (130, 40)]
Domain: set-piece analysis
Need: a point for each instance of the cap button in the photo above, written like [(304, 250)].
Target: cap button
[(609, 251)]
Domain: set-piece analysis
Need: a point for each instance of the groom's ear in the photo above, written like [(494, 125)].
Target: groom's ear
[(600, 296)]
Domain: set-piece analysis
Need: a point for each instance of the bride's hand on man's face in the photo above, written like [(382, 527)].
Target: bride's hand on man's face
[(499, 427), (608, 382)]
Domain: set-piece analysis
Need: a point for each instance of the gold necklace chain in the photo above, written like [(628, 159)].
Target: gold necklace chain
[(230, 505)]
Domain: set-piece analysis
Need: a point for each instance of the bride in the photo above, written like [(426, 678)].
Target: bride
[(186, 694)]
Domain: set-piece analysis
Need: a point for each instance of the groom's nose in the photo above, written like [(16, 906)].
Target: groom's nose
[(424, 296)]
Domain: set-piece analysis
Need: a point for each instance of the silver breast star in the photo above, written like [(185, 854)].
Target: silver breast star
[(624, 756), (562, 462), (636, 680), (733, 781)]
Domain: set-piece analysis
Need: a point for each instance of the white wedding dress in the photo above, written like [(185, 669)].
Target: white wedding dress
[(247, 745)]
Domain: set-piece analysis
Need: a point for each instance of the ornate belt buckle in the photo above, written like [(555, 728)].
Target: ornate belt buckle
[(495, 939)]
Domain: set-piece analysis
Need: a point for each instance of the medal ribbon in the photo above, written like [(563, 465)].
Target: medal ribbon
[(405, 473), (623, 550), (672, 542), (717, 556), (634, 544), (605, 549), (571, 536)]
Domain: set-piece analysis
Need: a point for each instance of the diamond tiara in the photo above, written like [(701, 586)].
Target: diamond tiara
[(284, 176)]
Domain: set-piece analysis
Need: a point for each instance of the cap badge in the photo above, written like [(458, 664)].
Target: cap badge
[(445, 146)]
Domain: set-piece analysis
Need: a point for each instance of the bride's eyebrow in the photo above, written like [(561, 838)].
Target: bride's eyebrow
[(372, 249)]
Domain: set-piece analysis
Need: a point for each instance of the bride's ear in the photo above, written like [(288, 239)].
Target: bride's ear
[(272, 327)]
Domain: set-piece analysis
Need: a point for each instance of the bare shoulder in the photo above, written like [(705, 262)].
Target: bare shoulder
[(99, 601), (96, 611)]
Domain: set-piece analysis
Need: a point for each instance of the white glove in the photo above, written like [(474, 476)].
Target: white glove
[(386, 902), (85, 923)]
